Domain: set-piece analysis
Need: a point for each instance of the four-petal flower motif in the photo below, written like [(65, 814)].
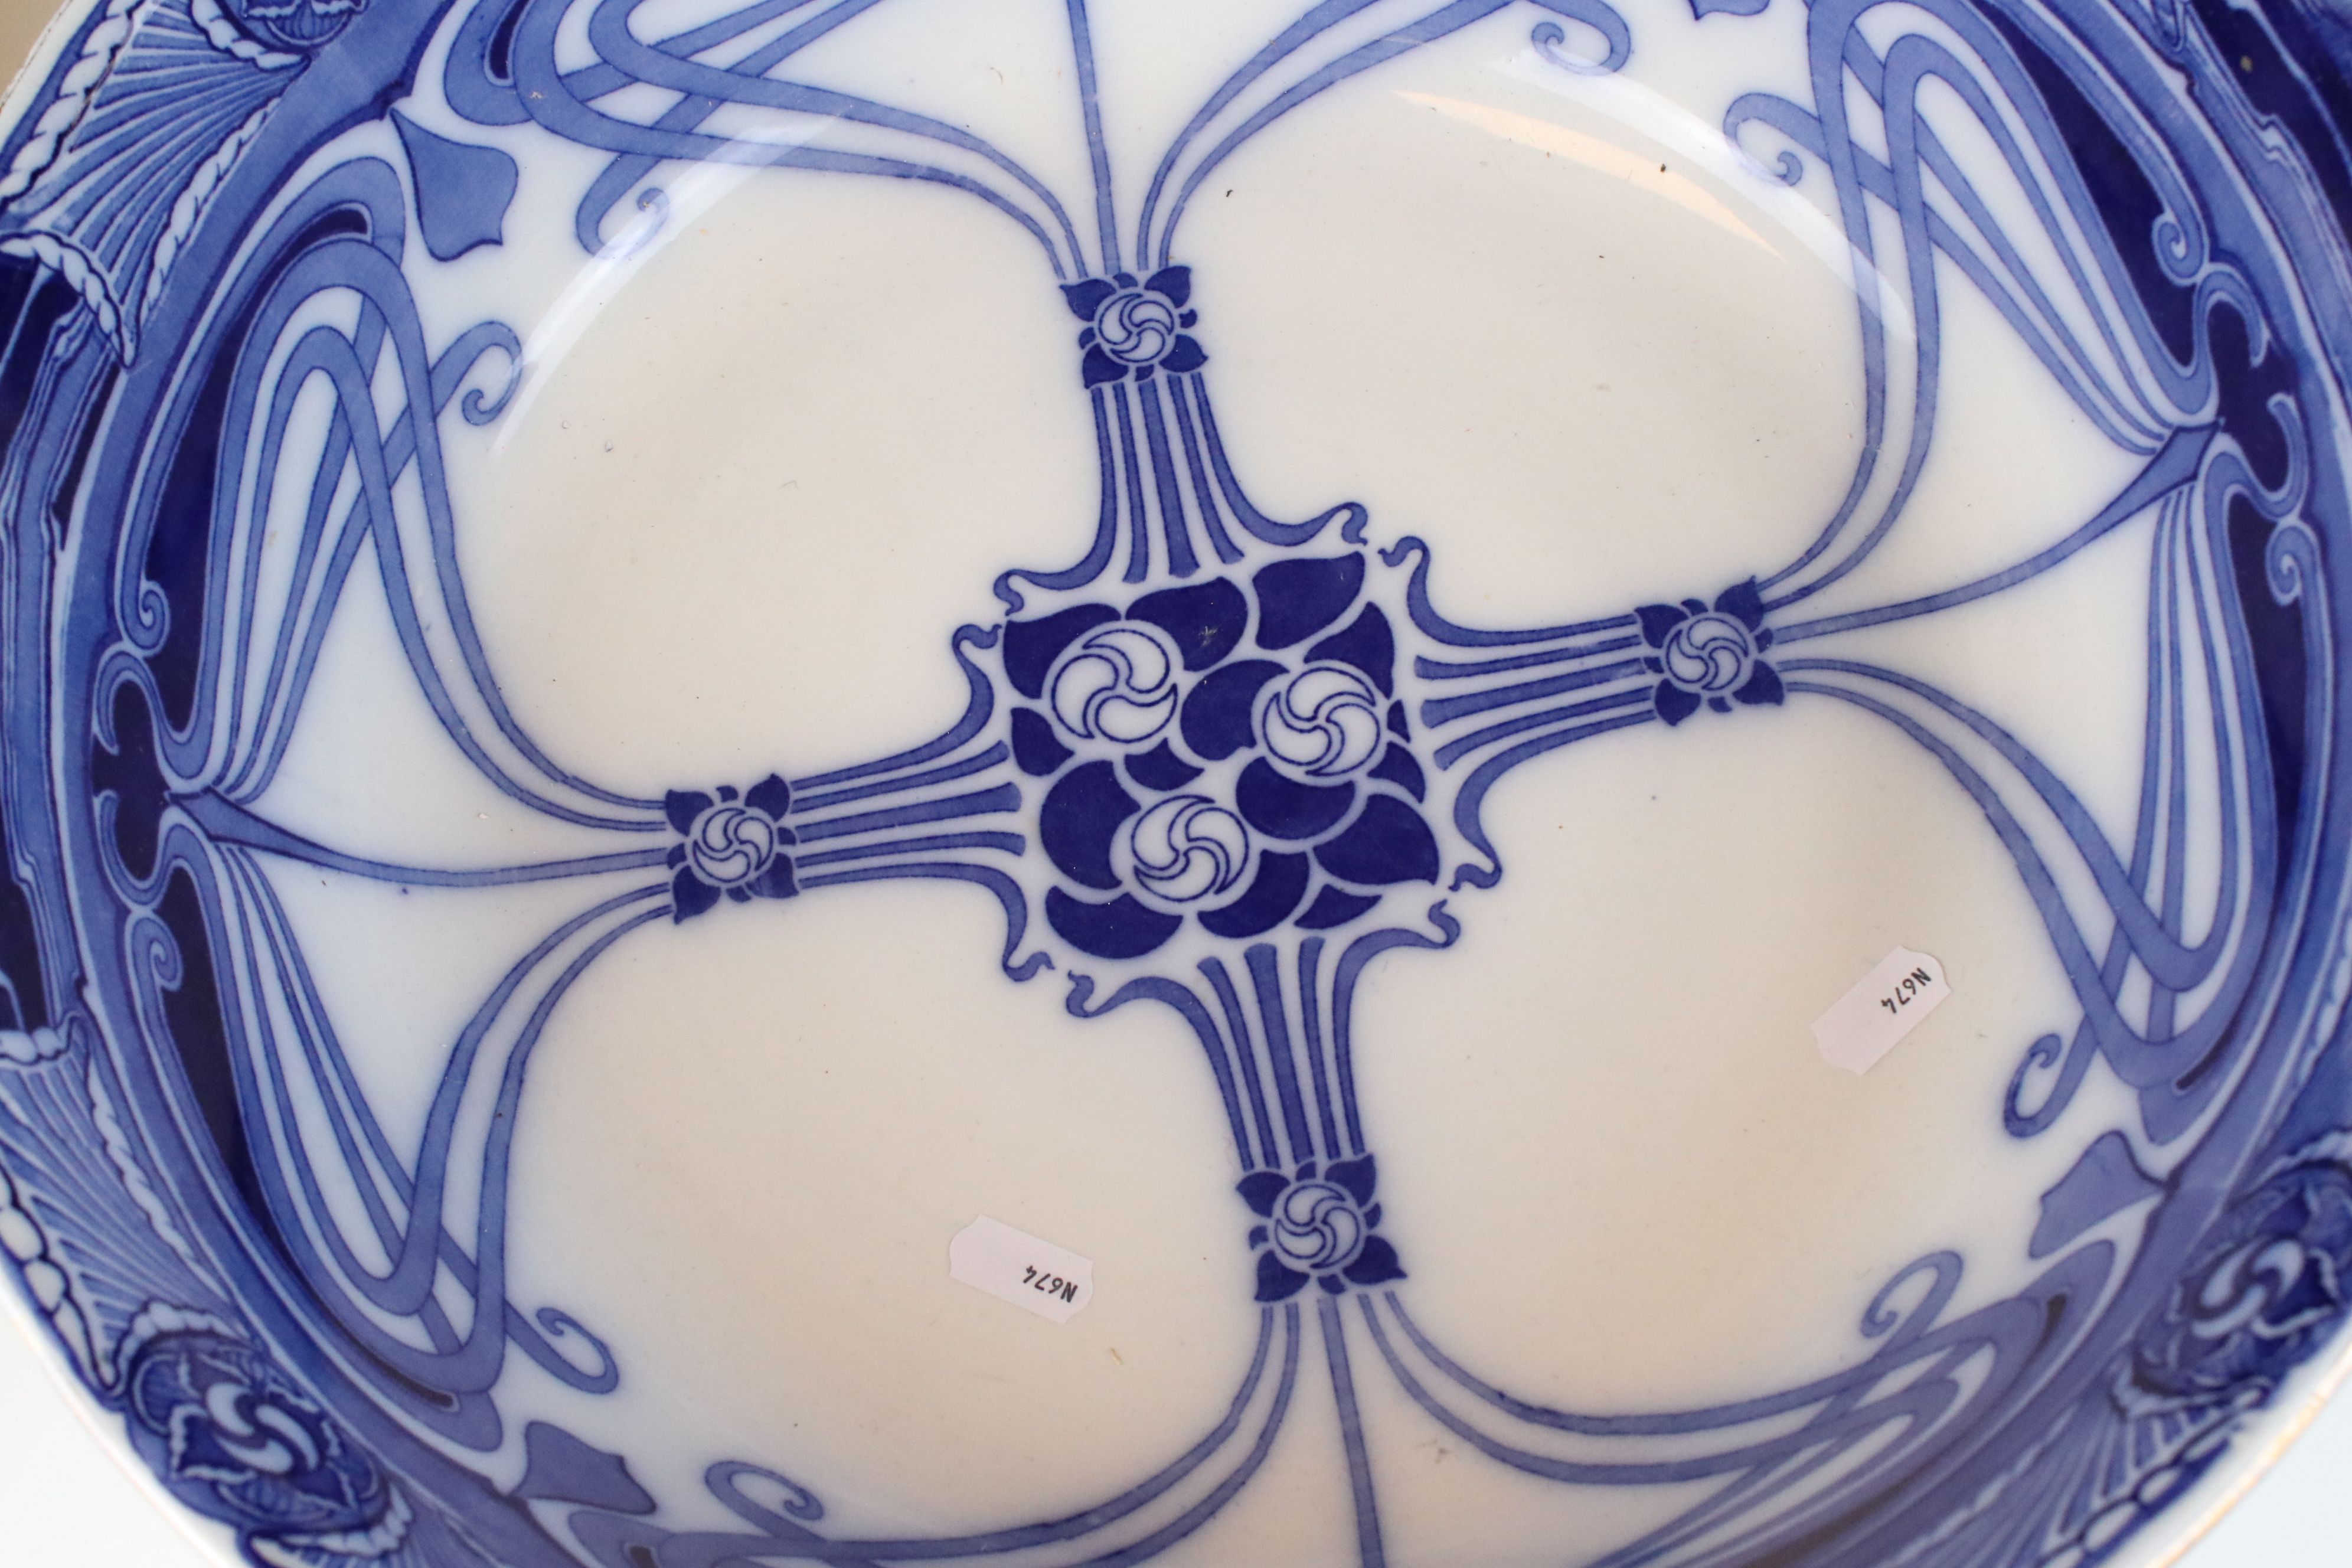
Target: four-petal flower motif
[(1709, 654), (1320, 1225), (1135, 329), (732, 845)]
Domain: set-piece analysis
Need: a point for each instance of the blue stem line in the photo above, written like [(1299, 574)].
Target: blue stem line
[(1265, 976), (931, 844), (979, 762), (1440, 710), (1447, 669), (1208, 1508), (1351, 967), (1453, 751), (1186, 1005), (1370, 1551), (1351, 515), (1098, 553), (1310, 962), (1245, 1051), (1181, 562), (325, 352), (980, 802), (1082, 46), (331, 1067), (1204, 495), (228, 823), (1471, 796), (980, 702), (1089, 1521), (2137, 1060), (541, 88), (2174, 963), (1138, 535), (1425, 615), (2176, 463), (746, 81)]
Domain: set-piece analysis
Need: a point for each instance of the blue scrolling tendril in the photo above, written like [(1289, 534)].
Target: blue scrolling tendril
[(1197, 711)]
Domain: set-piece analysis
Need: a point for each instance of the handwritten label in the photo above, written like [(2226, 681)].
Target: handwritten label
[(1885, 1004), (1014, 1266)]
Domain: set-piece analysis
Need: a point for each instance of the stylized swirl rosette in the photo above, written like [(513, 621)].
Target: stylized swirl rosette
[(238, 1442), (1709, 654), (1188, 848), (1709, 657), (732, 845), (1135, 329), (1317, 1227), (1279, 784), (1320, 1225), (1119, 684), (2271, 1284), (1323, 723)]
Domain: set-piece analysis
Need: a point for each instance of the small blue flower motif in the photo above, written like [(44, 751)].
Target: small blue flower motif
[(1319, 1227), (733, 844), (238, 1442), (1135, 329), (1709, 656)]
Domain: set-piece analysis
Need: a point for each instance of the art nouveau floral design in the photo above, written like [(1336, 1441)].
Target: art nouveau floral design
[(1221, 764)]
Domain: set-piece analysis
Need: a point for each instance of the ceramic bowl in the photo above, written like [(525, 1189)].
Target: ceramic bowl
[(1390, 781)]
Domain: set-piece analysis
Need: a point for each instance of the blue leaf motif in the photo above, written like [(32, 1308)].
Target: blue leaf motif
[(1122, 928), (1284, 808), (772, 798), (1295, 598), (1175, 282), (462, 190), (560, 1467), (1359, 1176), (681, 806), (1205, 621), (1260, 1188), (1388, 843), (1081, 813), (1377, 1264), (1099, 367), (1280, 883), (1276, 1282), (1086, 298)]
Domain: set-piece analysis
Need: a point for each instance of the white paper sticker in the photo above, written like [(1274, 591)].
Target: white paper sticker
[(1885, 1004), (1014, 1266)]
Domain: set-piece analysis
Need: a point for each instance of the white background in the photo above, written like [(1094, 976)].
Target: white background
[(66, 1500)]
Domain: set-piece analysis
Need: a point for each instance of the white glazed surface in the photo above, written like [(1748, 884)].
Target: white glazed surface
[(1468, 302), (1544, 321)]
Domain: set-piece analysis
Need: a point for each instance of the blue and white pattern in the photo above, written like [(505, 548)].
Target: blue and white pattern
[(1221, 764)]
